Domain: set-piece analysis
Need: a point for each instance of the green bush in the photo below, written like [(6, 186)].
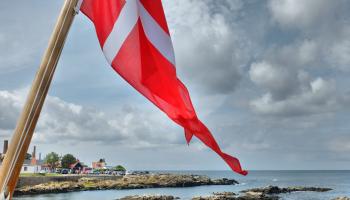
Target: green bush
[(119, 168)]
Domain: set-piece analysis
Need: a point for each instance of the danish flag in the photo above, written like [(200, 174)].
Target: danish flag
[(135, 40)]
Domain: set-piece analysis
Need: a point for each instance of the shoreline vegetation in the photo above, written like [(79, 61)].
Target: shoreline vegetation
[(89, 183)]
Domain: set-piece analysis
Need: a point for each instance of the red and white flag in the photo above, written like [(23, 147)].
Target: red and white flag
[(135, 39)]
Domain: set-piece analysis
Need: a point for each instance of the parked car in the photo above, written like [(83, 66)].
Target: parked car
[(64, 171)]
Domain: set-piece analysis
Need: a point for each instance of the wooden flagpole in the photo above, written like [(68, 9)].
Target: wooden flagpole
[(13, 161)]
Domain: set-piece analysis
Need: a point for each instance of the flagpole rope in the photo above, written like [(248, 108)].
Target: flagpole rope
[(24, 133)]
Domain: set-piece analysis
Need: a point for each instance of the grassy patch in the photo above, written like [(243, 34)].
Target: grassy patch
[(89, 184), (38, 174)]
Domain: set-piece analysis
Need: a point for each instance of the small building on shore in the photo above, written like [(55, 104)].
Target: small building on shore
[(101, 164), (77, 167), (87, 170), (28, 167), (32, 164), (46, 168)]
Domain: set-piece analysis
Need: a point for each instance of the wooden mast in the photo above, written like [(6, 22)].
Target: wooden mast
[(23, 133)]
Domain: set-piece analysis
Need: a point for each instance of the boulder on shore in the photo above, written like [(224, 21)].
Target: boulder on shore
[(341, 198), (233, 196), (149, 197), (218, 196), (277, 190)]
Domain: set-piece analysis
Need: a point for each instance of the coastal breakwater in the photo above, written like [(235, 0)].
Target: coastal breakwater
[(81, 183)]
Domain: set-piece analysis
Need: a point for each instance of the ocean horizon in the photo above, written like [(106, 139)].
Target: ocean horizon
[(338, 180)]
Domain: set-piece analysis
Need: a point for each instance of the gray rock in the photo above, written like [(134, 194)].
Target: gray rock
[(276, 190), (233, 196), (149, 197)]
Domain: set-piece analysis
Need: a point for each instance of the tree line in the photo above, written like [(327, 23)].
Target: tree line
[(53, 160)]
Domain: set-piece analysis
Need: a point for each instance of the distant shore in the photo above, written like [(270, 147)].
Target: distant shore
[(61, 184)]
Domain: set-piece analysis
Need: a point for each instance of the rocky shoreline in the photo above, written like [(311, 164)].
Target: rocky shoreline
[(126, 182), (264, 193), (163, 181)]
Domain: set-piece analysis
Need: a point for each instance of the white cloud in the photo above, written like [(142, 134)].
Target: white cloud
[(321, 34), (66, 122), (207, 47), (9, 109), (321, 97), (299, 13), (299, 54), (280, 81), (289, 74)]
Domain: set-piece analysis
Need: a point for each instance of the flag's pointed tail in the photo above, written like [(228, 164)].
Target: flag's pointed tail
[(203, 133), (188, 136)]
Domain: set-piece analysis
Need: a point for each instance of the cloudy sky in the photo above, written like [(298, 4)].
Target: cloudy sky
[(269, 78)]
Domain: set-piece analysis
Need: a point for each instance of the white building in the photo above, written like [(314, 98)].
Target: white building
[(28, 167), (33, 165)]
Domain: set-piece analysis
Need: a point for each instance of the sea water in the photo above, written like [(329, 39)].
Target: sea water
[(339, 181)]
